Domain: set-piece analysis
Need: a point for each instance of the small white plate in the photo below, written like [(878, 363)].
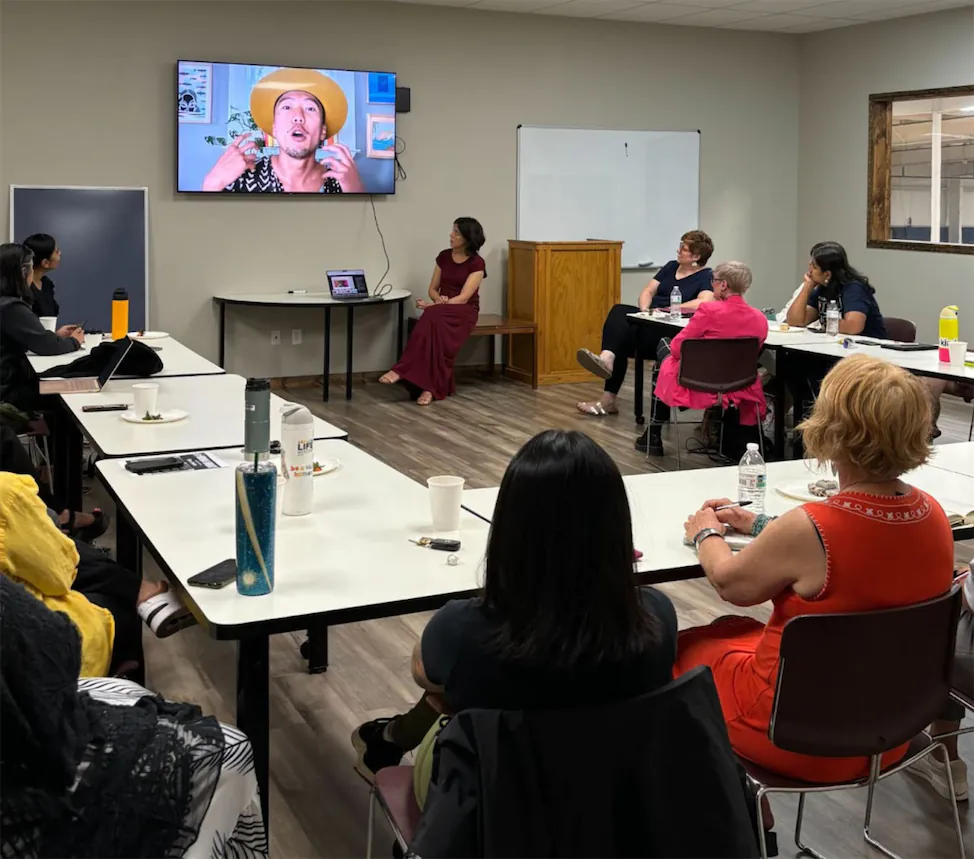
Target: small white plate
[(798, 490), (328, 465), (148, 335), (791, 329), (165, 417)]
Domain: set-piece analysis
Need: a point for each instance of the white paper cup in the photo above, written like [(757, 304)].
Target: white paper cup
[(446, 492), (49, 322), (958, 352), (146, 395)]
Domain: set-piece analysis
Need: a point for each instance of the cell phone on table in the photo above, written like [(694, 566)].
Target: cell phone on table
[(108, 407), (150, 466), (217, 576)]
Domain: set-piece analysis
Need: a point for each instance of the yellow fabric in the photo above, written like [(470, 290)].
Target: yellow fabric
[(36, 554)]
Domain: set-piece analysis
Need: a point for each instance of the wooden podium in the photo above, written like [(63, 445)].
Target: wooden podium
[(566, 288)]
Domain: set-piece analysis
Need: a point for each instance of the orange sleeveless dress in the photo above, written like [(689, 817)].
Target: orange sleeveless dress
[(881, 552)]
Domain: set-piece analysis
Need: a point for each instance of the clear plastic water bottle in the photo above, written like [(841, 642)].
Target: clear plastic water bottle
[(752, 478), (832, 319), (297, 459), (676, 302)]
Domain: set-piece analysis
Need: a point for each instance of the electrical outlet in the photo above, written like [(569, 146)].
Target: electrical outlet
[(296, 335), (275, 338)]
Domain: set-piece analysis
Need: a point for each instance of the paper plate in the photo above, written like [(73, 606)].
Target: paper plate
[(798, 490), (791, 329), (148, 335), (327, 466), (167, 416)]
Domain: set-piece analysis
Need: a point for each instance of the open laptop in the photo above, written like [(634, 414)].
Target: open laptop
[(89, 384), (348, 285)]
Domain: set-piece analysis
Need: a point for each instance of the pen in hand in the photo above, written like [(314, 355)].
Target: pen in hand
[(735, 504)]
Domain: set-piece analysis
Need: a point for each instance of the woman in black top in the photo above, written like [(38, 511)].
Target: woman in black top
[(21, 331), (619, 337), (47, 257), (560, 622)]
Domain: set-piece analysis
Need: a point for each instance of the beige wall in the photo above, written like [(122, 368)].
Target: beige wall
[(839, 71), (96, 108)]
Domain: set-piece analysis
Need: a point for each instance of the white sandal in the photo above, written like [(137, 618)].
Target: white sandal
[(593, 363), (164, 614)]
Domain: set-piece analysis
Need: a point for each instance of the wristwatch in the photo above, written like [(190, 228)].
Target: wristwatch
[(702, 535)]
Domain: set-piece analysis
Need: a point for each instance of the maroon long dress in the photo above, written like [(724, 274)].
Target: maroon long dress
[(427, 361)]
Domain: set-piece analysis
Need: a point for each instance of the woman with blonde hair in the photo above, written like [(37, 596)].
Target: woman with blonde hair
[(877, 544)]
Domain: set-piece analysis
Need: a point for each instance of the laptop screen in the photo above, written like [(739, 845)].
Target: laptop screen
[(121, 350), (347, 282)]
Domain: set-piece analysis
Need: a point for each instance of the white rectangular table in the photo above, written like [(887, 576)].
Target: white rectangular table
[(958, 457), (177, 359), (775, 339), (349, 560), (660, 504), (216, 417), (394, 297)]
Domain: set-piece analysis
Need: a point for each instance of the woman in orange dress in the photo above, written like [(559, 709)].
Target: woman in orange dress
[(878, 543)]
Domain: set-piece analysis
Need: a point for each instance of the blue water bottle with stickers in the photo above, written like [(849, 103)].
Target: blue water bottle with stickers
[(255, 495)]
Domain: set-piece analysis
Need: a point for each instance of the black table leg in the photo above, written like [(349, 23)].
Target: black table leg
[(128, 546), (780, 405), (315, 649), (223, 334), (69, 464), (253, 710), (350, 327), (638, 386), (326, 375), (401, 330)]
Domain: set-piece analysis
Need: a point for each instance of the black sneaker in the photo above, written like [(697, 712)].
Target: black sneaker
[(374, 751), (652, 440)]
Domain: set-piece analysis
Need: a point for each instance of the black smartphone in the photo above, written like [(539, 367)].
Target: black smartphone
[(109, 407), (149, 466), (444, 545), (217, 576), (909, 347)]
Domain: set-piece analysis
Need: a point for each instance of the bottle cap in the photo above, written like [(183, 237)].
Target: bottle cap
[(752, 445), (120, 295), (258, 385)]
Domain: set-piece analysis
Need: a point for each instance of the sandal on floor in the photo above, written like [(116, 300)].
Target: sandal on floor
[(596, 408), (164, 614), (593, 363), (91, 532)]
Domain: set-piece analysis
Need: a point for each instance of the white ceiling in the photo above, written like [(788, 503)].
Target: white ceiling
[(784, 16)]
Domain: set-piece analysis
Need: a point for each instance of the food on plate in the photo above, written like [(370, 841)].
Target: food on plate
[(824, 488), (148, 417), (784, 326), (318, 467)]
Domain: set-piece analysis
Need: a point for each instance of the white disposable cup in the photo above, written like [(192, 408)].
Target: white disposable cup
[(49, 322), (146, 394), (958, 352), (446, 492)]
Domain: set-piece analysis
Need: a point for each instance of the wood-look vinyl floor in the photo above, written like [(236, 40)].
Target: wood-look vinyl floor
[(318, 804)]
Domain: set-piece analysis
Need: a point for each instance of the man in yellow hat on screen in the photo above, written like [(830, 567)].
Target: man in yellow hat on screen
[(301, 109)]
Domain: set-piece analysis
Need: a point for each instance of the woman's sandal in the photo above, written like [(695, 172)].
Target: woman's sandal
[(593, 363), (88, 533), (164, 614), (424, 399), (595, 408)]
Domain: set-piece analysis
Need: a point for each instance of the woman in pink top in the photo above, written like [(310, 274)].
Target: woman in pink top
[(729, 315)]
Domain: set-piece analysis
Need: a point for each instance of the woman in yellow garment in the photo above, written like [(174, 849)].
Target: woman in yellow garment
[(44, 560)]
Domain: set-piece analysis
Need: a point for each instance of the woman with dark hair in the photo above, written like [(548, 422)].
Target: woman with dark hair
[(619, 337), (560, 622), (449, 317), (831, 277), (47, 257), (21, 331)]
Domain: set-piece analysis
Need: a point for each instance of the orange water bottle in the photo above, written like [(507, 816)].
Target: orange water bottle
[(120, 314)]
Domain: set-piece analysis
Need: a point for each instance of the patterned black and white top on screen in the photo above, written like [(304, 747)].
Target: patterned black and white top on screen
[(263, 180)]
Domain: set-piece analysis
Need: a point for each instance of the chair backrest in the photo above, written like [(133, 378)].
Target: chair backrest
[(860, 684), (902, 330), (719, 365)]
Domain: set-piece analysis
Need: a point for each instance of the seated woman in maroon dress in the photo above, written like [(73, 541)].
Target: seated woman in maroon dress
[(448, 317)]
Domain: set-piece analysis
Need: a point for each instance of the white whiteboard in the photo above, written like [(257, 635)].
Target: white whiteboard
[(640, 187)]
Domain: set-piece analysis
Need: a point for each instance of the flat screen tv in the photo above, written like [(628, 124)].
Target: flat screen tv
[(246, 129)]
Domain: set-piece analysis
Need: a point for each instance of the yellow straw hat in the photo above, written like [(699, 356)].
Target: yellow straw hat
[(271, 87)]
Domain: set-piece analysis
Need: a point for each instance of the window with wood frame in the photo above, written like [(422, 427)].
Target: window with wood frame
[(921, 170)]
